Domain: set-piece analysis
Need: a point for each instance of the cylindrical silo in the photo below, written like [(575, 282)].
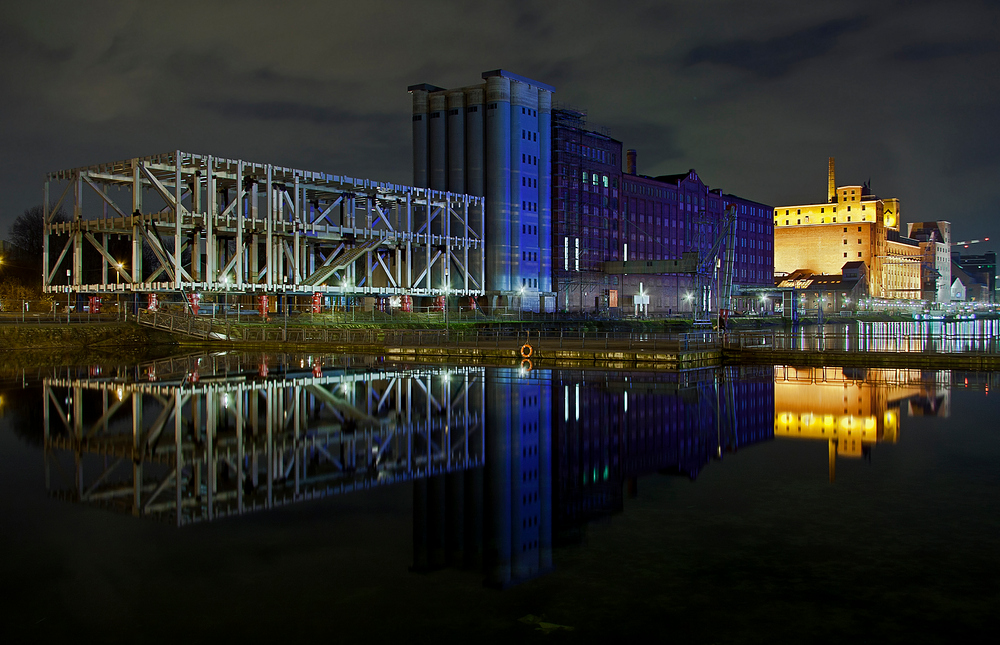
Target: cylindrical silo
[(498, 162), (419, 138), (438, 169), (456, 141), (475, 160)]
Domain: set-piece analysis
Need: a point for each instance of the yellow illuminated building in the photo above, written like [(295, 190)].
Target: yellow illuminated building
[(852, 226)]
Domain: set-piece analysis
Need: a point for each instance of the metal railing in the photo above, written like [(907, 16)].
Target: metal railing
[(984, 340), (41, 312), (498, 338)]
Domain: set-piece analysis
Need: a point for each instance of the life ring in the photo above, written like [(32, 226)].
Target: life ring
[(526, 350), (526, 365)]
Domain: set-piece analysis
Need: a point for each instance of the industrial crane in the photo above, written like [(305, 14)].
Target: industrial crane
[(966, 243), (709, 262)]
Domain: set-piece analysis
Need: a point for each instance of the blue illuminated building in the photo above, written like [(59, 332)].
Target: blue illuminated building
[(492, 139)]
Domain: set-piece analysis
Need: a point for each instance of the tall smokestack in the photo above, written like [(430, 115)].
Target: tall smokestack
[(630, 161), (831, 184)]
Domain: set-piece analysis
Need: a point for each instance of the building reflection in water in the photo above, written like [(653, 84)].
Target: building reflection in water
[(503, 464), (853, 408), (563, 445), (613, 427)]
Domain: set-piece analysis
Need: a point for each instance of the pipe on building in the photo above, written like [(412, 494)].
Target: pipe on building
[(831, 182)]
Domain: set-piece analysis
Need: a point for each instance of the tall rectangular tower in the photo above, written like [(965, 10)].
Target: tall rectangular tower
[(493, 139)]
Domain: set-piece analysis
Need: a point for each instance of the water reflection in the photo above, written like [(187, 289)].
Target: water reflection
[(200, 438), (853, 408), (503, 466)]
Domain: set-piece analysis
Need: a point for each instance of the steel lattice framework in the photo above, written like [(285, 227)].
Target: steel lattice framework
[(215, 224)]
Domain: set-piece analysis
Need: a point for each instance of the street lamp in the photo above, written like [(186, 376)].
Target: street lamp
[(69, 274), (344, 286), (520, 303), (446, 290)]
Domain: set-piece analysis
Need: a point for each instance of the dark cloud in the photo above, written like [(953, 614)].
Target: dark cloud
[(657, 149), (291, 111), (776, 56), (928, 51), (905, 92), (18, 43)]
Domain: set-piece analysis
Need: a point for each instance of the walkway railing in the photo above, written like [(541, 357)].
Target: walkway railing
[(506, 338)]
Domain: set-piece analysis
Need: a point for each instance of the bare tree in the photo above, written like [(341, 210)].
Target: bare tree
[(28, 231), (26, 236)]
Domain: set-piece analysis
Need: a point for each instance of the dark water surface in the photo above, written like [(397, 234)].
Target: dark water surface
[(751, 504)]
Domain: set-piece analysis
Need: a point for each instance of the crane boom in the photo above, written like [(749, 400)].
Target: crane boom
[(968, 242)]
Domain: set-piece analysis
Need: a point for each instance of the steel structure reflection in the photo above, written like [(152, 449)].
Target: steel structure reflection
[(205, 438)]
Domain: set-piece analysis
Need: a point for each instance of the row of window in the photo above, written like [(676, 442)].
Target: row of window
[(822, 220), (798, 211), (529, 206), (598, 155), (529, 159), (596, 179), (529, 182), (528, 229), (529, 282), (530, 136), (529, 256)]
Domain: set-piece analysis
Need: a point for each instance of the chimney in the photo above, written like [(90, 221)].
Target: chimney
[(831, 184), (630, 163)]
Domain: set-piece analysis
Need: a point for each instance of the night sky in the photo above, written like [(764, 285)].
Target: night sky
[(754, 95)]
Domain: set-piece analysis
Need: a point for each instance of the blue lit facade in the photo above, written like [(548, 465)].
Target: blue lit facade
[(493, 140)]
